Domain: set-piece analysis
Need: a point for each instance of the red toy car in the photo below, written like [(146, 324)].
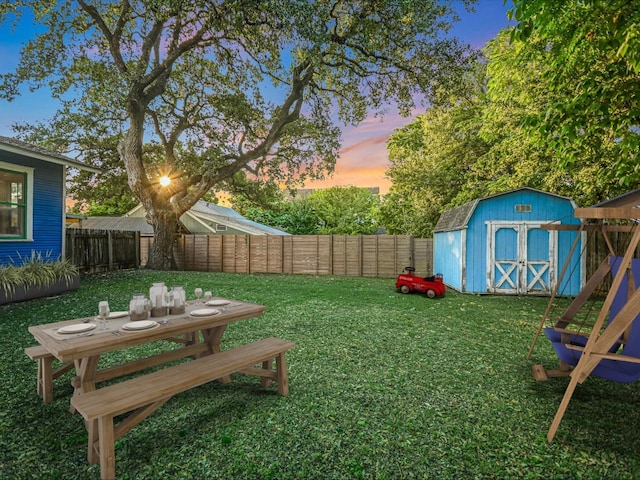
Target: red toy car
[(432, 287)]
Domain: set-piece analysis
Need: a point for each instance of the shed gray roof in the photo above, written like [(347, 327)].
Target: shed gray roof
[(128, 224), (27, 149), (455, 218)]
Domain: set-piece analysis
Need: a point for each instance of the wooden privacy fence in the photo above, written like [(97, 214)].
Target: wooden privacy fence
[(94, 251), (362, 255), (597, 249)]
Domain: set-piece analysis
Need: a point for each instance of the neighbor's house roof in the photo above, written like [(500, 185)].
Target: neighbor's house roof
[(625, 206), (209, 218), (133, 224), (629, 199), (27, 149), (212, 214), (458, 217)]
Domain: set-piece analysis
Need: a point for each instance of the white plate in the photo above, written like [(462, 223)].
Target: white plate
[(77, 328), (140, 325), (115, 315), (204, 312), (218, 303)]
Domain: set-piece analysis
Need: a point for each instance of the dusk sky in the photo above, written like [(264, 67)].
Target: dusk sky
[(363, 157)]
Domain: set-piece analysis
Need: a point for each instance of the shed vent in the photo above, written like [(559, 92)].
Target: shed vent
[(523, 208), (221, 228)]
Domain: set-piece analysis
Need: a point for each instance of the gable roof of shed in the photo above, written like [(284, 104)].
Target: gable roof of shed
[(455, 218), (29, 150), (458, 217)]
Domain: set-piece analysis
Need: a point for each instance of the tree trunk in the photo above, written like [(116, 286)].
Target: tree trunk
[(161, 251)]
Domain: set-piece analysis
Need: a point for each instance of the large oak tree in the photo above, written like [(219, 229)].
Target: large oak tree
[(226, 90)]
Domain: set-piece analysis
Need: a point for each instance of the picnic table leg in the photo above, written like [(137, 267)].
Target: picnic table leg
[(213, 337), (45, 379), (84, 381)]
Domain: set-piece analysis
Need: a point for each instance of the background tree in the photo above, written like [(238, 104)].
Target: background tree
[(515, 91), (591, 53), (294, 216), (559, 113), (330, 211), (431, 160), (345, 210), (221, 85)]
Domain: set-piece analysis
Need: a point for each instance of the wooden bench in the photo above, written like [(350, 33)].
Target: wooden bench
[(144, 394), (46, 373)]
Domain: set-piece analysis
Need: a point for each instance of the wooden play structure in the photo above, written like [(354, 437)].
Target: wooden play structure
[(608, 344)]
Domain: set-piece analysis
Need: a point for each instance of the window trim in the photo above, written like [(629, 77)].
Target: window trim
[(28, 172)]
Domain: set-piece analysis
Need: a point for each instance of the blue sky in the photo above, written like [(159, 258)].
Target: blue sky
[(363, 157)]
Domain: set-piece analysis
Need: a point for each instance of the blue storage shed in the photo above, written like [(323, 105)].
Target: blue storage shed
[(498, 244), (32, 200)]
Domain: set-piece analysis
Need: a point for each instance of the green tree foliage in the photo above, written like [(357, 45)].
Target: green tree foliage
[(344, 210), (515, 91), (293, 216), (432, 161), (591, 56), (330, 211), (224, 87), (559, 111)]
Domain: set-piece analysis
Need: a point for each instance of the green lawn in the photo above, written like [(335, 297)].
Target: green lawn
[(382, 386)]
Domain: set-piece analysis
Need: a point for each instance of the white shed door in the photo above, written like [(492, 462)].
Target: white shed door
[(521, 258)]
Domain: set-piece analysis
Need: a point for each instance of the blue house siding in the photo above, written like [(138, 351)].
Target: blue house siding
[(48, 224), (508, 223), (48, 210)]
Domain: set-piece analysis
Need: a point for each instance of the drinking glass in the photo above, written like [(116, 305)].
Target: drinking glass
[(207, 295), (198, 292), (103, 313)]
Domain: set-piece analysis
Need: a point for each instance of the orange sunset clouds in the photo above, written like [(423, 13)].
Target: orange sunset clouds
[(363, 157)]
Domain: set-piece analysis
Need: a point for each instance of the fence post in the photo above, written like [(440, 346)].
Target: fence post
[(361, 242), (248, 244), (137, 247), (412, 252), (72, 245), (110, 249)]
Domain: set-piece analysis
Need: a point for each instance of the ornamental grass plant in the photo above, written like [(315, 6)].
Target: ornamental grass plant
[(36, 270), (382, 386)]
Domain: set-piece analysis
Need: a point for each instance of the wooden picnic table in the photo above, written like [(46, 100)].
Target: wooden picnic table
[(202, 336)]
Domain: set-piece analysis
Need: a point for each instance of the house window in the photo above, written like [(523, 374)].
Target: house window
[(15, 208), (523, 208)]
